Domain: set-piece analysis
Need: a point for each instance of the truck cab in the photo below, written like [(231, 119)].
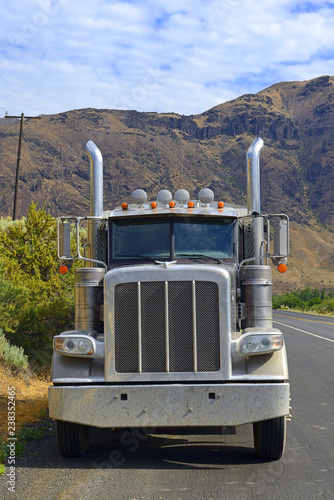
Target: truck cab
[(173, 317)]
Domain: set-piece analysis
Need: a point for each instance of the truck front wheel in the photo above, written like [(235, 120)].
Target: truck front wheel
[(72, 439), (269, 438)]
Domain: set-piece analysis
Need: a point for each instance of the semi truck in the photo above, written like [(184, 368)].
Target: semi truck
[(173, 316)]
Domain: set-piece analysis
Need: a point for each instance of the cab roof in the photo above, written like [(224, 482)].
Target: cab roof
[(211, 209)]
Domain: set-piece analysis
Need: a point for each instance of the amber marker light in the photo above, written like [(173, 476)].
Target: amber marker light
[(172, 204), (191, 204), (282, 268), (154, 204), (63, 269), (221, 204), (124, 206)]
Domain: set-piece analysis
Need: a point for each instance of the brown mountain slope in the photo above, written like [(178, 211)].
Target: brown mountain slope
[(157, 151)]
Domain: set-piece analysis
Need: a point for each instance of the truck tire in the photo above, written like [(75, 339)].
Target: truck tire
[(72, 439), (269, 438)]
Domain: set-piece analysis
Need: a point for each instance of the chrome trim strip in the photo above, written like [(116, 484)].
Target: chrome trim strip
[(167, 326), (140, 358), (194, 325)]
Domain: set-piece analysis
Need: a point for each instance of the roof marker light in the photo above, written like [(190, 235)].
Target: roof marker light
[(154, 204), (172, 204), (221, 204), (124, 206), (191, 204)]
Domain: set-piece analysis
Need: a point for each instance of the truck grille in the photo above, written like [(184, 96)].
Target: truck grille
[(167, 326)]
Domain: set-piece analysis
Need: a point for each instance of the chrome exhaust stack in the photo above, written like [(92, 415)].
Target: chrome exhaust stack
[(89, 280), (255, 278), (96, 179), (253, 195), (96, 197), (253, 176)]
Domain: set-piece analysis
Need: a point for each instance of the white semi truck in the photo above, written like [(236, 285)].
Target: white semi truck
[(173, 317)]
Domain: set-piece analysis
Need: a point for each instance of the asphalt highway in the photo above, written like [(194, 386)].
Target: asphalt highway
[(125, 466)]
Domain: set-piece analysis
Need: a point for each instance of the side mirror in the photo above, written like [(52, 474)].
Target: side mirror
[(64, 240), (280, 236)]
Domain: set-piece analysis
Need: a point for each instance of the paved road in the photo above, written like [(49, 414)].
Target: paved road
[(122, 466)]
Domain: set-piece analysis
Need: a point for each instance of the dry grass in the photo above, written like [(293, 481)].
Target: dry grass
[(31, 397)]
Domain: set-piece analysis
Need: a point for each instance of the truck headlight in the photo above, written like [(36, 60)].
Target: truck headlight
[(260, 343), (75, 345)]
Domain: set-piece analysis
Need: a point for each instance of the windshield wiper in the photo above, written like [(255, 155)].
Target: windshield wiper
[(149, 257), (198, 256)]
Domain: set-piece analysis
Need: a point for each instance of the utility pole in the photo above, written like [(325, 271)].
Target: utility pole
[(22, 118)]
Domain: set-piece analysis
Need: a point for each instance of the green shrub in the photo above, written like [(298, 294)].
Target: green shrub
[(306, 300), (31, 432), (314, 302), (36, 302), (11, 299), (326, 307)]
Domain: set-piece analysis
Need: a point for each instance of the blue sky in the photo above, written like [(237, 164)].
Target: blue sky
[(182, 56)]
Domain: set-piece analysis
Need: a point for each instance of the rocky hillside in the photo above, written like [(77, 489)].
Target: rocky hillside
[(156, 151)]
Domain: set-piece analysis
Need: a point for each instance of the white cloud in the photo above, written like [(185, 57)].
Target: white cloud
[(156, 55)]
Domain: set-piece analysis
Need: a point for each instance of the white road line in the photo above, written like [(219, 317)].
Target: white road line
[(303, 331)]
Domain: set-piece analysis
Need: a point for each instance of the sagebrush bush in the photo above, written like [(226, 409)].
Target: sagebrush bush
[(11, 354), (5, 222)]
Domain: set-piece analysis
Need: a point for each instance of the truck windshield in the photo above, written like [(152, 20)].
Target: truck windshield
[(169, 238)]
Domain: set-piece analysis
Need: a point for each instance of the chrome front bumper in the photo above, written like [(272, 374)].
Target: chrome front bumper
[(173, 405)]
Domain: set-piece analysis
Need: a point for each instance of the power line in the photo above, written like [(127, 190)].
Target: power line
[(11, 86), (21, 118)]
